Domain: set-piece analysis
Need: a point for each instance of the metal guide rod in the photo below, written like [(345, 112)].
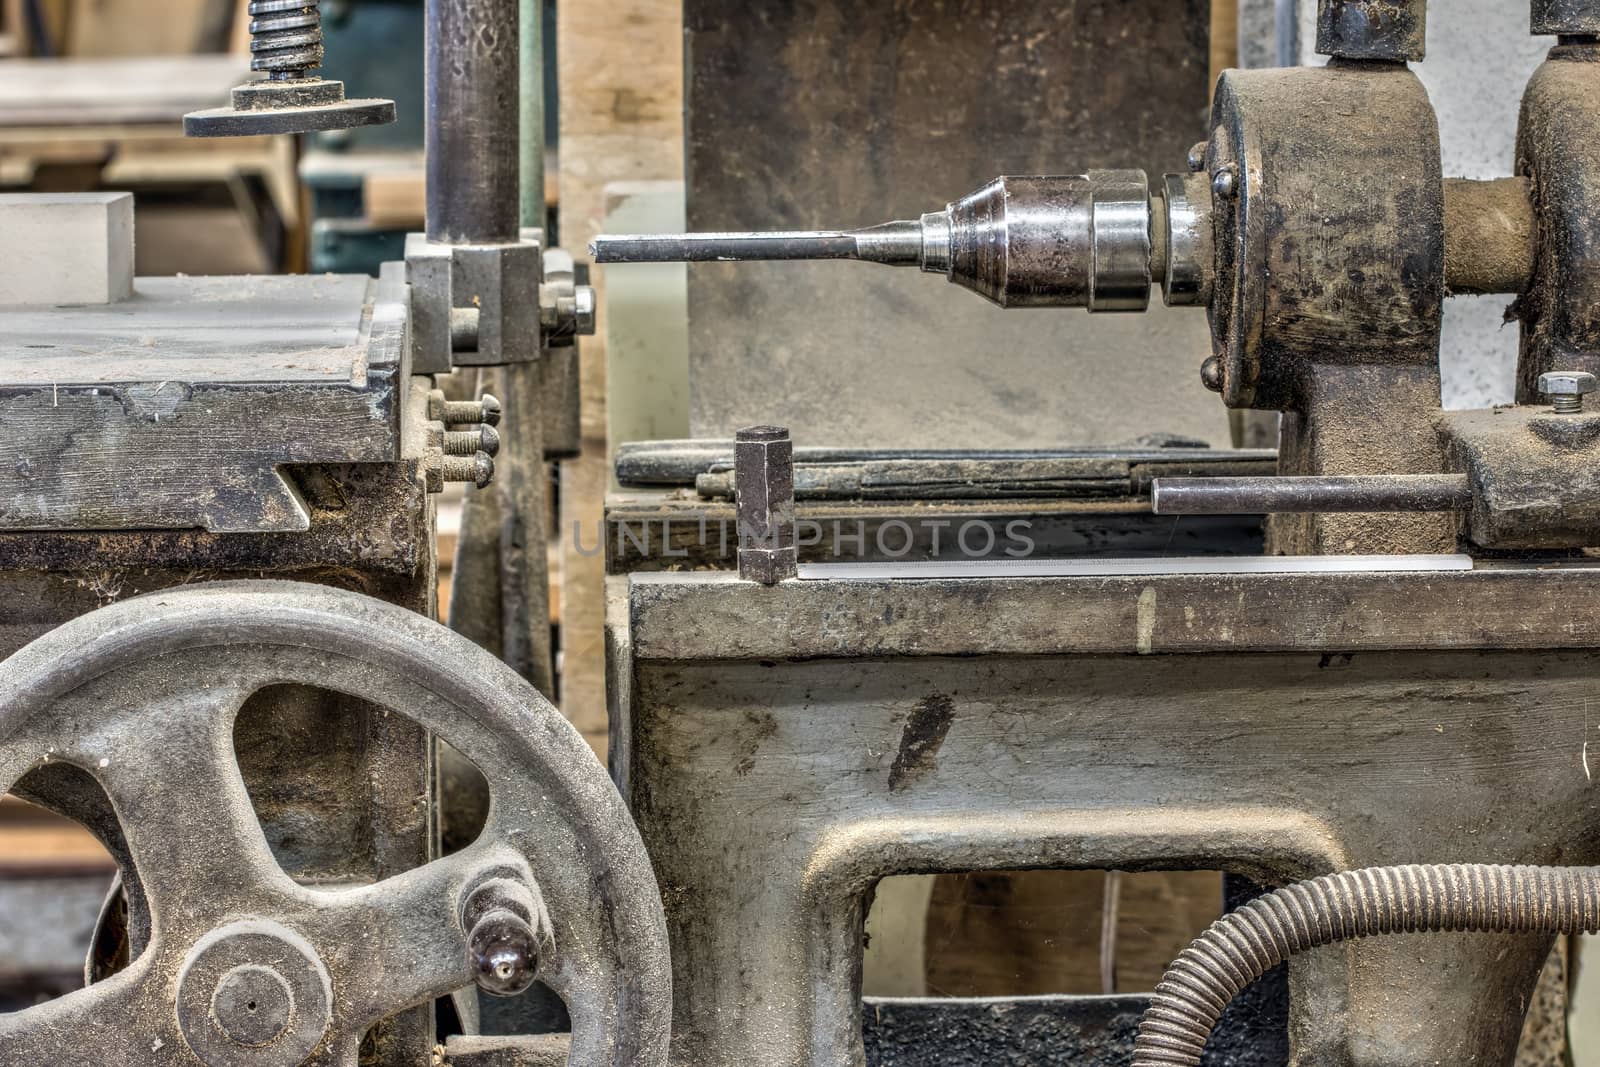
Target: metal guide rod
[(1314, 493), (895, 243)]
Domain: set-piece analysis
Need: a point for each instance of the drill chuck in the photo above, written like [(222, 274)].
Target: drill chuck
[(1059, 241)]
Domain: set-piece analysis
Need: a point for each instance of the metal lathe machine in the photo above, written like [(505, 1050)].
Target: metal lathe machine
[(1345, 661)]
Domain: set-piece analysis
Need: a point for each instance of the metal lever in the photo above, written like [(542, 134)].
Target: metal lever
[(1313, 493), (1066, 241)]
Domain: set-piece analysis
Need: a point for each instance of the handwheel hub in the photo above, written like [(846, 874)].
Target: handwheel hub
[(253, 994)]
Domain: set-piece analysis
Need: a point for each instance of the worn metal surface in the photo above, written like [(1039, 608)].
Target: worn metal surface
[(859, 730), (830, 113), (1558, 149), (1392, 31), (1345, 340), (919, 473), (286, 45), (1576, 17), (1320, 493), (1534, 482), (178, 408), (764, 479), (1489, 242), (1513, 607), (662, 531), (471, 67), (181, 664)]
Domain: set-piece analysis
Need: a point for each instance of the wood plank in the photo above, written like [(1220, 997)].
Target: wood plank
[(621, 70)]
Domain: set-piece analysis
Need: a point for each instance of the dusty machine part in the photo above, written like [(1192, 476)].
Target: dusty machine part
[(1391, 31), (1558, 151), (104, 692), (124, 434), (1489, 235), (1067, 241), (1287, 494), (764, 479), (1566, 389), (1447, 898), (474, 167), (286, 46), (1533, 472), (1344, 341), (729, 695), (1575, 18)]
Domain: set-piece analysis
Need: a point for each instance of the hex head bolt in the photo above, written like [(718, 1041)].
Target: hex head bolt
[(1565, 389), (763, 465)]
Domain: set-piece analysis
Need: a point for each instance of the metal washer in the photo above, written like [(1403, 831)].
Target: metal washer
[(344, 115)]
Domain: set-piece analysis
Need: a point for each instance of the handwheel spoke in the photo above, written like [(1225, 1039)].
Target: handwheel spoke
[(191, 829), (397, 943), (120, 1018)]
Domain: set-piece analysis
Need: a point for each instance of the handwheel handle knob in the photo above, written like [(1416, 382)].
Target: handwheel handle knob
[(507, 929)]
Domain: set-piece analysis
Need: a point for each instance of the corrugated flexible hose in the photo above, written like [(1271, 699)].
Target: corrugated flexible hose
[(1450, 898)]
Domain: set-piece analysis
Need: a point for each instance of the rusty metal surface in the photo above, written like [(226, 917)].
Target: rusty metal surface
[(180, 665), (859, 730), (830, 113)]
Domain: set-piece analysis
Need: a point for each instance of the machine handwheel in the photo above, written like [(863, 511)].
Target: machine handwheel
[(245, 967)]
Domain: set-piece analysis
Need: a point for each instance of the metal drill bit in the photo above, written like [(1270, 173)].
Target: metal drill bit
[(895, 243)]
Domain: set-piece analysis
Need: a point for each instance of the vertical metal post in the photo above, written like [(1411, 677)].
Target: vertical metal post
[(475, 174), (763, 474), (473, 120), (521, 488), (533, 132)]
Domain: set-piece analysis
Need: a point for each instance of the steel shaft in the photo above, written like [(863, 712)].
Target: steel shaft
[(1315, 493)]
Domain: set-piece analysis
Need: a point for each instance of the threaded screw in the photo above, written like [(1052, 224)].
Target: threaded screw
[(285, 38), (484, 439), (485, 410)]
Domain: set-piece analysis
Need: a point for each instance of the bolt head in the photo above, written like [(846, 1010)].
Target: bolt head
[(1197, 157), (583, 302), (483, 470), (491, 409), (489, 441), (1225, 183), (1567, 383), (1211, 374), (751, 434)]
